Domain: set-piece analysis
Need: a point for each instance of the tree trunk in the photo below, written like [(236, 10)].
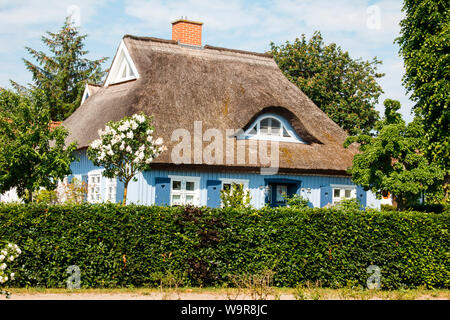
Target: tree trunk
[(125, 192), (30, 196)]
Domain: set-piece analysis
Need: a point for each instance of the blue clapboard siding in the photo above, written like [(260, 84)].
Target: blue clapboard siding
[(142, 191)]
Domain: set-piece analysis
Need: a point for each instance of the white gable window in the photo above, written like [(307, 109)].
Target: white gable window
[(122, 68), (94, 187), (111, 188), (185, 190), (271, 127), (343, 192)]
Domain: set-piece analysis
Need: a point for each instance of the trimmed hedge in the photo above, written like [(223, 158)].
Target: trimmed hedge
[(117, 246)]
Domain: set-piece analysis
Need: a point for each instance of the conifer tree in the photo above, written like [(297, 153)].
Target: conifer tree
[(62, 76)]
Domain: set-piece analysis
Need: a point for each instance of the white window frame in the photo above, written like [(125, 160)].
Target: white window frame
[(243, 182), (293, 137), (96, 174), (183, 192), (342, 188), (111, 183)]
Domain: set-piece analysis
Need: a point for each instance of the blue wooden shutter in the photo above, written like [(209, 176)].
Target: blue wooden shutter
[(361, 195), (69, 179), (162, 191), (326, 196), (214, 187)]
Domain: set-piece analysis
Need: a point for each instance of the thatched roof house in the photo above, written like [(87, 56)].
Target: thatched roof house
[(182, 84)]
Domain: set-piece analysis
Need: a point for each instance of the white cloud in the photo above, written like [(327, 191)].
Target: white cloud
[(26, 13)]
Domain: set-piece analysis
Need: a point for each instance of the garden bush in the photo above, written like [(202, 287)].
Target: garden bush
[(125, 246)]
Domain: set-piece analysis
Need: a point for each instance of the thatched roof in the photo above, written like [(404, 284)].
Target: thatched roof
[(223, 88)]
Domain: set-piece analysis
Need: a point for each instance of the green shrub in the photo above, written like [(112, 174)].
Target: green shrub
[(296, 201), (235, 196), (435, 207), (120, 246), (388, 207)]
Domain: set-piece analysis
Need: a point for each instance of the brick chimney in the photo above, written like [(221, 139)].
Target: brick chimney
[(187, 32)]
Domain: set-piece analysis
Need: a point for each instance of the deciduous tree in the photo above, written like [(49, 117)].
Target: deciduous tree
[(346, 89), (125, 148), (32, 152), (393, 161)]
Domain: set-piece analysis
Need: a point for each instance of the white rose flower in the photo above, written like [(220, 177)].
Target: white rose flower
[(96, 143), (128, 149), (11, 258), (3, 266), (130, 135), (2, 257), (133, 125), (12, 275)]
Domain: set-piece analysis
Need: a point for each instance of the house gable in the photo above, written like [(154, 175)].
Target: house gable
[(123, 68)]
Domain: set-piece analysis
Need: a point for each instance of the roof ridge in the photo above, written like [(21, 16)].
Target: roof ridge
[(206, 46), (259, 54)]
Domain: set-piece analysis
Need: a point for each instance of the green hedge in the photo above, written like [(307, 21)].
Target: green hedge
[(117, 246)]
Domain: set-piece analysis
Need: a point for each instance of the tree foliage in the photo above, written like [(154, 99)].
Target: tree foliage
[(63, 75), (235, 197), (32, 152), (425, 46), (125, 148), (344, 88), (393, 161)]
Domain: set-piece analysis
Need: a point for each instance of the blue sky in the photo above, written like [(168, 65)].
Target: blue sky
[(365, 28)]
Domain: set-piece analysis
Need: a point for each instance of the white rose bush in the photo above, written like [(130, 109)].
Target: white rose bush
[(125, 148), (7, 255)]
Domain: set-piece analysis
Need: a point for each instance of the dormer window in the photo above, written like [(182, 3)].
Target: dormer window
[(271, 127)]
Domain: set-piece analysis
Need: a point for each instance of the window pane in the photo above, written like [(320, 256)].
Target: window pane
[(348, 193), (285, 133), (176, 185), (189, 186), (189, 199), (276, 127), (337, 193), (264, 126), (176, 199)]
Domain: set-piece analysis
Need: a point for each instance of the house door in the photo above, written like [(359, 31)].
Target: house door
[(276, 188)]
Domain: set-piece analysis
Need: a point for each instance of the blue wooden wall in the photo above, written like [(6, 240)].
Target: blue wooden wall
[(143, 190)]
